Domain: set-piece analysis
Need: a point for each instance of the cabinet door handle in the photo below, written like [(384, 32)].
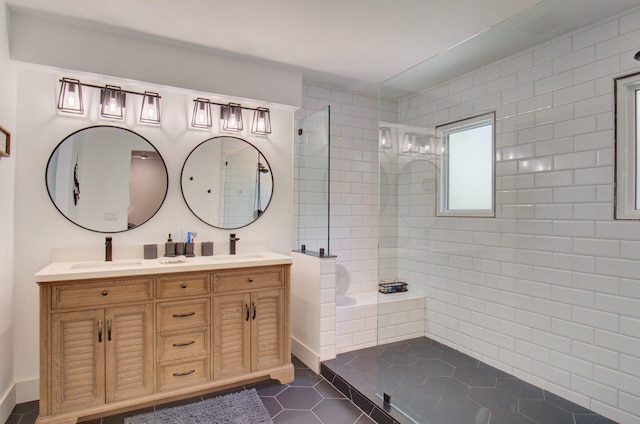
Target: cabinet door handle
[(184, 285), (187, 314), (99, 331), (246, 305), (250, 280), (180, 374), (254, 310), (109, 329), (184, 344)]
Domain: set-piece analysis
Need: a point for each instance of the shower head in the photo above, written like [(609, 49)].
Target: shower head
[(262, 168)]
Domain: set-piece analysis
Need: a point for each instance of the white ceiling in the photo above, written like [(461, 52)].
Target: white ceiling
[(351, 44)]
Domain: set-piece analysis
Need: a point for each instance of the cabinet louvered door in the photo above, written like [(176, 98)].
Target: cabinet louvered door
[(129, 347), (267, 329), (231, 326), (77, 360)]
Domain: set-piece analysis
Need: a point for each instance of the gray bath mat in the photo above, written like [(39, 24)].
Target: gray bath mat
[(236, 408)]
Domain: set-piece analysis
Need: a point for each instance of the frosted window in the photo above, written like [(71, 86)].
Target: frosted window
[(627, 149), (466, 178)]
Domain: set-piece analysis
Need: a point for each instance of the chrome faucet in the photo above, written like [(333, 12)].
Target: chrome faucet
[(232, 244)]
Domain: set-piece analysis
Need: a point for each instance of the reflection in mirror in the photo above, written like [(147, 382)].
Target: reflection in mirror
[(106, 179), (226, 182)]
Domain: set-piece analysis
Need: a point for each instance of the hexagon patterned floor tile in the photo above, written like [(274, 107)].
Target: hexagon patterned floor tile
[(434, 384), (309, 399)]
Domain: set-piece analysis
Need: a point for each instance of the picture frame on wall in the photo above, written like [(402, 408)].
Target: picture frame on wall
[(5, 142)]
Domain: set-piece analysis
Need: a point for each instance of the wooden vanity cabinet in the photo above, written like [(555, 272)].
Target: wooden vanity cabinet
[(99, 355), (112, 345), (250, 328)]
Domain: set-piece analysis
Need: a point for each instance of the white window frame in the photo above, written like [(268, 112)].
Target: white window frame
[(442, 134), (626, 146)]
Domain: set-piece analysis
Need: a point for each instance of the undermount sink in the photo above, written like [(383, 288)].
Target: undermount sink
[(105, 264), (238, 257)]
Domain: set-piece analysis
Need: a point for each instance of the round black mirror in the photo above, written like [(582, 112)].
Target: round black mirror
[(226, 182), (106, 179)]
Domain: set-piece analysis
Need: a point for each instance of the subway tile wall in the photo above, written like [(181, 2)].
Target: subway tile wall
[(549, 289), (354, 180)]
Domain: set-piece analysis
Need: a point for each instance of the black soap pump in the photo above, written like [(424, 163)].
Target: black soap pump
[(170, 247)]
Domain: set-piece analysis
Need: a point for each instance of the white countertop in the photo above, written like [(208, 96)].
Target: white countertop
[(59, 271)]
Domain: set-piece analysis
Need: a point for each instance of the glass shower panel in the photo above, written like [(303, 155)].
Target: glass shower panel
[(312, 169)]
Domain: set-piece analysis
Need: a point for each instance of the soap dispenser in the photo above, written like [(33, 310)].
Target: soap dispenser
[(170, 247)]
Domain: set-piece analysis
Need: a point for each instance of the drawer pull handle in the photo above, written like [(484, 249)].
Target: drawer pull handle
[(99, 331), (187, 314), (105, 292), (246, 305), (181, 374), (250, 280), (184, 285), (184, 344)]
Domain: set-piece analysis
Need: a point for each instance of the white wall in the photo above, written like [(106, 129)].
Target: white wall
[(547, 290), (7, 219), (40, 228)]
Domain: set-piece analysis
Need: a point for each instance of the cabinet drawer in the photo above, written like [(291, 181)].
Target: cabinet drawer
[(183, 374), (183, 285), (98, 293), (251, 279), (183, 315), (183, 344)]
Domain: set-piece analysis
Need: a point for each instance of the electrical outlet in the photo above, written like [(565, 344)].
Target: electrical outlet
[(111, 216)]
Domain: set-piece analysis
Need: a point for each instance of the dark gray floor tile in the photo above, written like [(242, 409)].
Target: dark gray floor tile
[(363, 402), (337, 411), (446, 387), (544, 412), (272, 405), (26, 407), (592, 419), (494, 399), (305, 377), (181, 402), (364, 419), (327, 391), (268, 388), (461, 411), (393, 357), (502, 417), (520, 389), (381, 417), (14, 419), (293, 416), (565, 404), (433, 367), (299, 398)]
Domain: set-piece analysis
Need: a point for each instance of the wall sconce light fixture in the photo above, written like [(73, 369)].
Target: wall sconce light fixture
[(385, 138), (261, 121), (410, 143), (201, 113), (232, 117), (70, 99), (112, 99), (150, 111)]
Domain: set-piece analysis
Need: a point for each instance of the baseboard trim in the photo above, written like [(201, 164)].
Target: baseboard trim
[(28, 390), (7, 403), (306, 355)]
